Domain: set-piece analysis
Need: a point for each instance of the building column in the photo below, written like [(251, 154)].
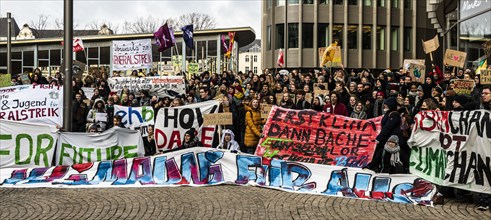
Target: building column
[(316, 33), (345, 35), (374, 35), (360, 34)]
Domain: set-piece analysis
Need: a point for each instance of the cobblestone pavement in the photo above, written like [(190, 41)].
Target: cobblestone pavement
[(212, 202)]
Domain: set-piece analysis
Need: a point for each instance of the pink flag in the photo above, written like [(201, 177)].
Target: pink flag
[(280, 62)]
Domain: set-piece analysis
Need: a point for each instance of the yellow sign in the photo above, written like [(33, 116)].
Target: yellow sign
[(193, 68), (218, 119), (485, 77), (5, 80), (336, 59), (463, 86)]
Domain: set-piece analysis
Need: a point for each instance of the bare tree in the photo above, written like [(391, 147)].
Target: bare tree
[(200, 21), (41, 23), (96, 25), (141, 25), (59, 25)]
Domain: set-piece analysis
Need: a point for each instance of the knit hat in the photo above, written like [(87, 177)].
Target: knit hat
[(394, 139), (461, 99), (420, 88), (391, 102), (393, 150), (380, 93), (191, 133)]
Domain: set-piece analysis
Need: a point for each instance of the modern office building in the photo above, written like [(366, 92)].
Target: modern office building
[(374, 34)]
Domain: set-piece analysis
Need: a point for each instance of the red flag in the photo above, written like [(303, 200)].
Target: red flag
[(280, 62), (78, 45)]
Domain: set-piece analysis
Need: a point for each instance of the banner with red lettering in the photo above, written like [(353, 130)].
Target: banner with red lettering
[(42, 104), (318, 137), (173, 122), (161, 86), (132, 54)]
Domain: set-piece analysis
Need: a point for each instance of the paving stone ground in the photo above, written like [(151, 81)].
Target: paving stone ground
[(210, 202)]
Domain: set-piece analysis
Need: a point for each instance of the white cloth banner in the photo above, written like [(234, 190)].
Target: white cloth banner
[(136, 118), (132, 54), (204, 166), (161, 86), (112, 144), (453, 148), (173, 123), (42, 104), (24, 145)]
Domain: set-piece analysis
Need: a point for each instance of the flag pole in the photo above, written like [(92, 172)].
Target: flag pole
[(177, 51)]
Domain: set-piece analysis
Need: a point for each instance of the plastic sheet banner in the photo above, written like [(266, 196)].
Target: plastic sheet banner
[(24, 145), (318, 137), (205, 166), (453, 148), (112, 144), (41, 104), (173, 122), (161, 86)]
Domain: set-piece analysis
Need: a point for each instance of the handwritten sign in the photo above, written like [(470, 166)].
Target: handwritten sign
[(193, 68), (463, 86), (431, 45), (218, 119), (320, 86), (485, 77), (416, 69), (455, 58), (265, 109), (132, 54), (5, 80), (323, 92)]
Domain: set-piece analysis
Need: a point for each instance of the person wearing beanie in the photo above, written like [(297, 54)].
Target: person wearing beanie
[(190, 139), (318, 104), (227, 141), (391, 162), (459, 102)]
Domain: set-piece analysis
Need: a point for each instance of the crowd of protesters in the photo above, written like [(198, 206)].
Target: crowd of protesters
[(356, 93)]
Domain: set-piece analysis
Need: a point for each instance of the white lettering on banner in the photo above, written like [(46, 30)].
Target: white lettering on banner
[(32, 103), (172, 123), (204, 166), (161, 86), (132, 54), (24, 145), (112, 144), (452, 148)]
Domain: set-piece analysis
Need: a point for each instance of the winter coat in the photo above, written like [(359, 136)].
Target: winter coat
[(359, 115), (91, 116), (232, 145), (253, 127), (338, 109)]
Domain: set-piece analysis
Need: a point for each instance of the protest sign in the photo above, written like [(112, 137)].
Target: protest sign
[(265, 109), (318, 137), (337, 59), (112, 144), (485, 77), (452, 148), (463, 86), (135, 117), (320, 86), (203, 166), (161, 86), (5, 80), (88, 91), (454, 58), (172, 123), (487, 47), (224, 118), (279, 97), (416, 69), (132, 54), (431, 45), (24, 145), (193, 68), (40, 103)]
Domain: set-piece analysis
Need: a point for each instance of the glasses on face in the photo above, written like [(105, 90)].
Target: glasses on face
[(486, 93)]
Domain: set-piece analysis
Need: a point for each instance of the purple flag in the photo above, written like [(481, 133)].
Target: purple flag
[(164, 37), (223, 43)]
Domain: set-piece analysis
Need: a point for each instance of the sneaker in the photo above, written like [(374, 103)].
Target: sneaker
[(483, 208)]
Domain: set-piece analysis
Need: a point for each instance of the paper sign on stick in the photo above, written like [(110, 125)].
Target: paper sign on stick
[(431, 45), (455, 58), (218, 119)]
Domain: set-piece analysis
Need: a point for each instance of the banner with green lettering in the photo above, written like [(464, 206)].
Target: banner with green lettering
[(112, 144), (24, 145)]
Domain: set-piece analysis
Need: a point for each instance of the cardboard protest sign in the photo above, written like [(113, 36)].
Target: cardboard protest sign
[(24, 145), (5, 80), (451, 148), (193, 68), (132, 54), (265, 109), (321, 86), (112, 144), (224, 118), (431, 45), (416, 69), (455, 58), (279, 97), (318, 137), (487, 47), (337, 59), (485, 77), (161, 86), (41, 104), (201, 166), (172, 123), (463, 86)]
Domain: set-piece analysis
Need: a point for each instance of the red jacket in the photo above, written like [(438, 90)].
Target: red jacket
[(339, 109), (438, 72)]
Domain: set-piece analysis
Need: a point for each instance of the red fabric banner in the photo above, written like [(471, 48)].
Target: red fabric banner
[(318, 137)]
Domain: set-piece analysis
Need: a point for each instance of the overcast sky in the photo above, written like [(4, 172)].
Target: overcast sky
[(228, 13)]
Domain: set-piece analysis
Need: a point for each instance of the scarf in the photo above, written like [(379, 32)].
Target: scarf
[(394, 151)]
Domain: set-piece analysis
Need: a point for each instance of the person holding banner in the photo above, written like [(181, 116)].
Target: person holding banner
[(98, 115), (254, 125)]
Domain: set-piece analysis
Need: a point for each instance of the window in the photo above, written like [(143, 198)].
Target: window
[(280, 2), (322, 2), (367, 38), (255, 59), (293, 2), (269, 3), (352, 2), (246, 69), (407, 4), (255, 70), (352, 37), (381, 3), (322, 34), (247, 58), (394, 3), (337, 34), (367, 3), (293, 35), (308, 2), (268, 37), (394, 38), (407, 39), (280, 36), (381, 38), (338, 2), (308, 35)]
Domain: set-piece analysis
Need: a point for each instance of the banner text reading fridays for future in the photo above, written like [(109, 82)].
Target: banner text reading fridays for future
[(42, 104), (453, 148), (203, 166), (318, 137)]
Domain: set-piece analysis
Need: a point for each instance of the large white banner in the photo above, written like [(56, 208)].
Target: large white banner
[(24, 145), (112, 144), (41, 104), (172, 124), (453, 148), (204, 166), (161, 86), (132, 54), (136, 118)]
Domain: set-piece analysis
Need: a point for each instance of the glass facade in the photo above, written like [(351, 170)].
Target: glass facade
[(307, 35), (293, 35), (367, 37), (352, 37), (280, 36)]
